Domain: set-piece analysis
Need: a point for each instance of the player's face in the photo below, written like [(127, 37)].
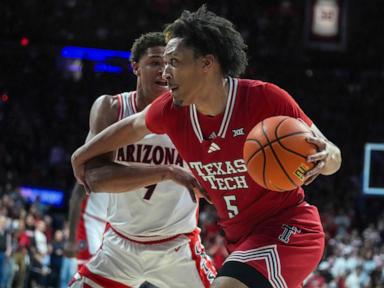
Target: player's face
[(183, 72), (150, 69)]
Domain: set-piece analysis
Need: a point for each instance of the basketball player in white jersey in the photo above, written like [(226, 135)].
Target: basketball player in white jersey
[(151, 233)]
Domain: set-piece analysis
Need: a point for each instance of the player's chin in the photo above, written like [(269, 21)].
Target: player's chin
[(161, 89), (178, 102)]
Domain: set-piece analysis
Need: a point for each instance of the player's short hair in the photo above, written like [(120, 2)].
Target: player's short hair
[(206, 33), (145, 41)]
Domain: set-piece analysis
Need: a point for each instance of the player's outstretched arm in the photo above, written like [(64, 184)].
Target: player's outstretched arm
[(116, 178), (113, 177), (103, 175), (126, 131)]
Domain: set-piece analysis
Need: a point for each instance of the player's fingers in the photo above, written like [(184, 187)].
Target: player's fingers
[(320, 143), (320, 156), (204, 194), (78, 175), (87, 188), (315, 170), (310, 179), (302, 121), (192, 194)]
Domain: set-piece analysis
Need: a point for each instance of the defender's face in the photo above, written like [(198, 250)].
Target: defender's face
[(149, 69), (183, 72)]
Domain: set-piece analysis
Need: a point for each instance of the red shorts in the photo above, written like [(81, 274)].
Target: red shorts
[(285, 249)]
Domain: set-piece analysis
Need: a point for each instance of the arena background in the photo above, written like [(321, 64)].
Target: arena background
[(332, 65)]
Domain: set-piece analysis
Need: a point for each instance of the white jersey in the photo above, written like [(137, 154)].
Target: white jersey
[(157, 211), (96, 206)]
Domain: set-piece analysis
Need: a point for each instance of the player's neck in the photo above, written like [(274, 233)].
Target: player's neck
[(142, 99), (214, 100), (141, 102)]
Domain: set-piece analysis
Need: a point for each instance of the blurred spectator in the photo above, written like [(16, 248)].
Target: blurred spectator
[(316, 280), (342, 221), (357, 279), (39, 257), (56, 258), (5, 253), (68, 266), (21, 256)]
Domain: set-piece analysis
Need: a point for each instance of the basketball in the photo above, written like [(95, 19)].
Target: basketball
[(275, 153)]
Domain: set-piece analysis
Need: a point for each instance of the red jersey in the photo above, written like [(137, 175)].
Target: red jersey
[(213, 148)]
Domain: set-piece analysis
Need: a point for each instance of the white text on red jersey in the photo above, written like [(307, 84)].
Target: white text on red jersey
[(213, 174)]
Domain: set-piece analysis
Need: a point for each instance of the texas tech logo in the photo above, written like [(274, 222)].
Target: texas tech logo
[(288, 231), (222, 175)]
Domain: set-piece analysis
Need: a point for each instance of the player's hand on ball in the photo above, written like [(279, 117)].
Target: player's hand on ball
[(320, 158), (185, 178)]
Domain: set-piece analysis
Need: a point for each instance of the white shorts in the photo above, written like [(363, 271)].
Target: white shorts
[(176, 262), (89, 237)]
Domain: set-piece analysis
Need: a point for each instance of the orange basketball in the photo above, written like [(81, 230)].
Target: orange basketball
[(275, 152)]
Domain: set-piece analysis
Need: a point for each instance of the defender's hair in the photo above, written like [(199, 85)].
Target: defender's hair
[(145, 41), (206, 33)]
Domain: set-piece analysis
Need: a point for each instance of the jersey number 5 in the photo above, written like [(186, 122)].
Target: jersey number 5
[(232, 209)]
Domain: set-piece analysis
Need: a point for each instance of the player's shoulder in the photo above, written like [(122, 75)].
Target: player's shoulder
[(112, 103), (105, 109), (255, 84), (106, 103), (165, 98), (257, 87), (251, 83), (164, 101), (251, 88)]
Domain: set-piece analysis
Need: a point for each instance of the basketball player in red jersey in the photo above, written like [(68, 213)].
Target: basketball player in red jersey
[(275, 239), (148, 235)]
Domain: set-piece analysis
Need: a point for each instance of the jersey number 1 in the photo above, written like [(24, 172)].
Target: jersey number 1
[(149, 192)]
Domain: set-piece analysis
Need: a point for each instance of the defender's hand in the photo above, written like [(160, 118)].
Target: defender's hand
[(183, 177)]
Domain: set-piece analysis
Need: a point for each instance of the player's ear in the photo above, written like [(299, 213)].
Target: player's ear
[(207, 62), (135, 68)]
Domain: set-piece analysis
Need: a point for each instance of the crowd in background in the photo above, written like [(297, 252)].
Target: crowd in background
[(44, 116), (31, 245), (32, 240)]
